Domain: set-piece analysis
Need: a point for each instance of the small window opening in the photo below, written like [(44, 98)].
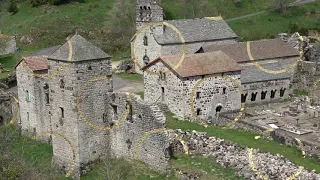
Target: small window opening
[(27, 96), (218, 109), (130, 118), (145, 40), (198, 95), (263, 95), (129, 143), (62, 112), (111, 124), (28, 116), (244, 98), (62, 83), (282, 90), (89, 68), (224, 90), (198, 111), (253, 96), (144, 7), (273, 93), (104, 117), (47, 97), (162, 93), (115, 109)]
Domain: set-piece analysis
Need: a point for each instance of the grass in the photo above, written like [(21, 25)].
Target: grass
[(8, 62), (245, 138), (33, 154), (270, 24), (205, 166), (298, 92), (131, 77), (141, 94)]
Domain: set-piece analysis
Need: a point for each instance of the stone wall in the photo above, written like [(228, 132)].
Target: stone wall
[(267, 86), (229, 154), (213, 92), (129, 137), (306, 75), (34, 110), (8, 45), (89, 143), (7, 108)]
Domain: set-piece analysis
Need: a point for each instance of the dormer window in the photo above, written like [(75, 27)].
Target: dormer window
[(145, 40)]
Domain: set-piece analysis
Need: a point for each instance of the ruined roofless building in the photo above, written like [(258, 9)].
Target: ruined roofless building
[(162, 40)]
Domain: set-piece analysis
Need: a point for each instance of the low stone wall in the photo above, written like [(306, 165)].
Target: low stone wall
[(125, 66), (229, 154)]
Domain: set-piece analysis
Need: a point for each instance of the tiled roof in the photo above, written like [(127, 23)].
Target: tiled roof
[(252, 74), (200, 64), (36, 63), (81, 50), (261, 49), (195, 30)]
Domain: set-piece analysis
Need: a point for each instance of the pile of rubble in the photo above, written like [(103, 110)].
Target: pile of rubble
[(229, 154)]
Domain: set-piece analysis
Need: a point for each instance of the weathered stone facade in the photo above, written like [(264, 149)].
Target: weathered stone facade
[(7, 44), (34, 109), (215, 92), (78, 103)]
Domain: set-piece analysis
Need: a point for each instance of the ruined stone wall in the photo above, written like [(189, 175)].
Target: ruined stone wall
[(306, 75), (229, 154), (268, 86), (8, 46), (89, 143), (34, 111), (213, 92), (7, 108), (129, 137), (177, 49)]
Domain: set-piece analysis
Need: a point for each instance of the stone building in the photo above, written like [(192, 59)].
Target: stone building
[(161, 40), (174, 87), (270, 54), (74, 97), (7, 44)]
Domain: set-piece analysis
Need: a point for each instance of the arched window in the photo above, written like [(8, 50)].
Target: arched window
[(282, 92), (62, 83), (145, 40)]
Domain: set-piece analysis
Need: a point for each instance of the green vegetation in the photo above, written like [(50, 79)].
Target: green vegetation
[(131, 77), (269, 25), (204, 166), (24, 157), (141, 94), (298, 92), (124, 169), (8, 62), (245, 138)]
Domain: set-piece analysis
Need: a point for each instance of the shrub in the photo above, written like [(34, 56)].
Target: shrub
[(35, 3), (12, 8)]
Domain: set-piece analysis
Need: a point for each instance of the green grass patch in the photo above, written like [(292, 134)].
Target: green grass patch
[(246, 138), (124, 169), (28, 155), (298, 92), (131, 77), (8, 62), (270, 24), (141, 94), (205, 166)]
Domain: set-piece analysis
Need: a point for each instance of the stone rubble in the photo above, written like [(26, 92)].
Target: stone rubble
[(229, 154)]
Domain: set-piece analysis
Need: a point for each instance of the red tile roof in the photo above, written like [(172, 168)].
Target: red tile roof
[(199, 64), (35, 63), (261, 49)]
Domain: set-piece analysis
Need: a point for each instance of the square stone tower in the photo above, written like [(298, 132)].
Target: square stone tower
[(82, 77), (147, 11)]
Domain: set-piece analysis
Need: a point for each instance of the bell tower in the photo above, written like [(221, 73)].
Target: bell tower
[(147, 11)]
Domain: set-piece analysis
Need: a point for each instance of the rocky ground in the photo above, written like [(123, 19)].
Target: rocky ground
[(258, 166)]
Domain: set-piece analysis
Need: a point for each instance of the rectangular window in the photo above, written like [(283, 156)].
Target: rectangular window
[(224, 90), (162, 93), (27, 96), (47, 98), (198, 95), (198, 111), (62, 112)]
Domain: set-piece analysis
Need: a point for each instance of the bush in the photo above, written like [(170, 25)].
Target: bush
[(13, 8), (35, 3)]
